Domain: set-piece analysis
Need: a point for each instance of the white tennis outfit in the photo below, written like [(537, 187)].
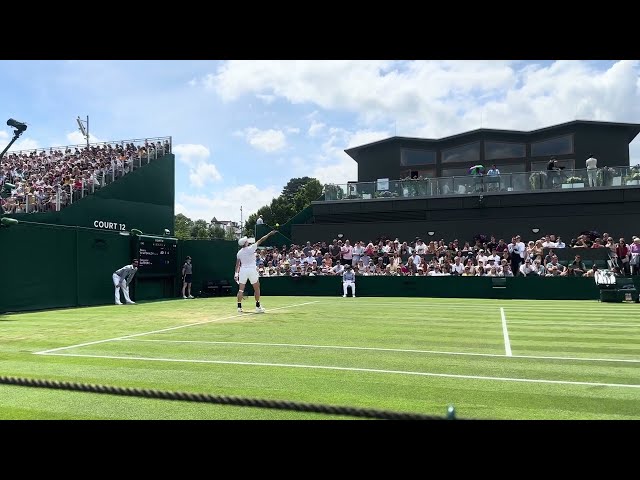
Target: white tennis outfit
[(248, 269)]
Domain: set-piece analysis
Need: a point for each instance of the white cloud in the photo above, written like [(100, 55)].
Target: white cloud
[(335, 166), (25, 144), (268, 99), (266, 140), (4, 136), (439, 98), (292, 130), (76, 138), (188, 153), (315, 129), (225, 204), (203, 173)]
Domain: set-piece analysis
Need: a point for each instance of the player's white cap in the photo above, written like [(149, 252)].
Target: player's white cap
[(245, 241)]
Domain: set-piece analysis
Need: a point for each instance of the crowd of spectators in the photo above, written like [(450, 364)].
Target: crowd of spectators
[(48, 181), (481, 257)]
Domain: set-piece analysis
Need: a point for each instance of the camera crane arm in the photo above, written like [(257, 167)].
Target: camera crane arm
[(19, 130)]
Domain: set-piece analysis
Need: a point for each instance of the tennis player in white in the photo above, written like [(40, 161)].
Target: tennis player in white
[(246, 268)]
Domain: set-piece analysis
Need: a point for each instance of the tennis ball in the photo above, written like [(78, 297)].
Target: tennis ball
[(277, 225)]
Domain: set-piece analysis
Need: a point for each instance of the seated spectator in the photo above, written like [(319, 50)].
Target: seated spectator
[(591, 273), (527, 270), (548, 257), (568, 272), (578, 266), (555, 264)]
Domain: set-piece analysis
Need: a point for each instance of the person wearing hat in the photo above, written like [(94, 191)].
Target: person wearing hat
[(246, 269), (187, 273), (348, 280)]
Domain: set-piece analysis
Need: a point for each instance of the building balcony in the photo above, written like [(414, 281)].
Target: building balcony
[(539, 181)]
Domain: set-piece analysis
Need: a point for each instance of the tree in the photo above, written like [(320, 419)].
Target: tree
[(182, 227), (200, 230), (216, 231), (296, 195), (230, 235), (291, 188), (308, 193)]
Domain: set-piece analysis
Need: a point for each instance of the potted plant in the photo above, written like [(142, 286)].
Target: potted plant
[(537, 180), (633, 178), (573, 182)]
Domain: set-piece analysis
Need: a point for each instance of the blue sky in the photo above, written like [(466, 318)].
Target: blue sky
[(242, 129)]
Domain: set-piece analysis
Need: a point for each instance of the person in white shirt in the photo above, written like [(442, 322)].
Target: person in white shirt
[(358, 252), (259, 221), (417, 259), (457, 268), (421, 248), (337, 269), (517, 250), (121, 280), (348, 280), (246, 268), (592, 169), (526, 269)]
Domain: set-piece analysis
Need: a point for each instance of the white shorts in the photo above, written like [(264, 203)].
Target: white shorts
[(250, 274)]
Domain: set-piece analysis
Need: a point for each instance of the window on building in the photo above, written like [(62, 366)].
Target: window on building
[(410, 157), (456, 172), (568, 164), (418, 173), (508, 167), (464, 153), (497, 150), (554, 146)]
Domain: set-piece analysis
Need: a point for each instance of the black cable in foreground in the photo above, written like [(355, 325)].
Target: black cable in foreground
[(221, 400)]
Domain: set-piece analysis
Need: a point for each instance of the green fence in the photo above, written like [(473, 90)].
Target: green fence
[(54, 267), (51, 266)]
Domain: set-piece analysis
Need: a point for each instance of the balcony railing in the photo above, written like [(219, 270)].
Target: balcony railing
[(475, 184)]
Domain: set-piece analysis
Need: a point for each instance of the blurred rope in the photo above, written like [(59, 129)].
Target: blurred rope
[(221, 400)]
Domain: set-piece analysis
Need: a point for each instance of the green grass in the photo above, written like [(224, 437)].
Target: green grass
[(406, 355)]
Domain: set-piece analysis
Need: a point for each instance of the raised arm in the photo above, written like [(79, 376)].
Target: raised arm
[(272, 232)]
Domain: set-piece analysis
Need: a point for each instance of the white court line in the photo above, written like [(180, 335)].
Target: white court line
[(505, 333), (45, 352), (352, 369), (585, 324), (470, 304), (377, 349)]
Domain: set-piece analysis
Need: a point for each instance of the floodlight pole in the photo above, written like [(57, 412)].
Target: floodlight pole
[(16, 134), (84, 130)]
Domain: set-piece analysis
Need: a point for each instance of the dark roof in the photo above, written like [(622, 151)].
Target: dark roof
[(633, 130)]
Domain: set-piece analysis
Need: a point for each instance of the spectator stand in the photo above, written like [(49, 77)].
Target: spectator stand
[(42, 180)]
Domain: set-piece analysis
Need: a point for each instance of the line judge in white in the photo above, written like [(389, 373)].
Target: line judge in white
[(246, 268), (121, 280)]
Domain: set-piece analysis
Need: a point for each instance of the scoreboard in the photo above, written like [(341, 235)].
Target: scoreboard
[(156, 255)]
